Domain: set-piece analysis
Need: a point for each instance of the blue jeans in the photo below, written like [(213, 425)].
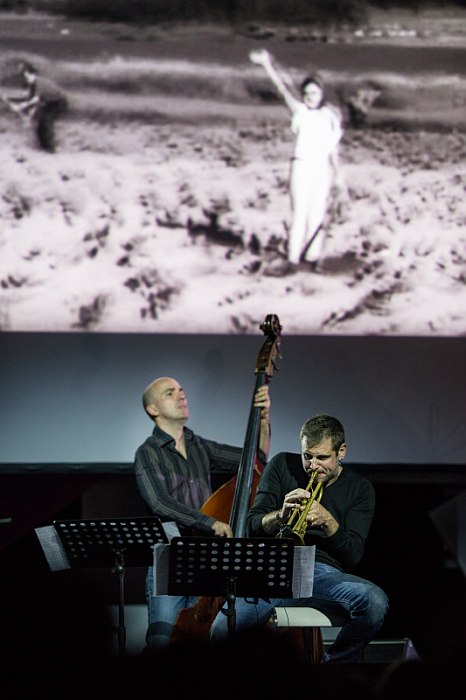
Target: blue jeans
[(163, 611), (334, 592)]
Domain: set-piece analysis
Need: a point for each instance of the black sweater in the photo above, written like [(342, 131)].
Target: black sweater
[(350, 499)]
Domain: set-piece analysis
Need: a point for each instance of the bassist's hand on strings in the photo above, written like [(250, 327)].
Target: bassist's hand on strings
[(262, 401), (222, 529)]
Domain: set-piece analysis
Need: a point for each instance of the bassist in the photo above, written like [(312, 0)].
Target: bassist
[(173, 472)]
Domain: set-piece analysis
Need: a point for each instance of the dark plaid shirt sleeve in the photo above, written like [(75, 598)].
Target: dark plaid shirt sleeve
[(175, 488)]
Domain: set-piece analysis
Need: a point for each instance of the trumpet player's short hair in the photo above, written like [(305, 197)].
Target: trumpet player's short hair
[(322, 426)]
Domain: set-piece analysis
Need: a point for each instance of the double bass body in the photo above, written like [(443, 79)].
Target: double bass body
[(231, 502)]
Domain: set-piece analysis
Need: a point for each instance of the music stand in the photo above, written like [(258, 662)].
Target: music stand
[(228, 567), (115, 543)]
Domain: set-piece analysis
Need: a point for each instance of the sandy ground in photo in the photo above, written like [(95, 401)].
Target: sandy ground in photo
[(177, 225)]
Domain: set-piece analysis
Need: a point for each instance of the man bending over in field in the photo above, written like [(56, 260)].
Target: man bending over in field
[(44, 101)]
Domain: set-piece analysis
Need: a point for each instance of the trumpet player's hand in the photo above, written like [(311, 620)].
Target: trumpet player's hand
[(295, 500), (319, 516)]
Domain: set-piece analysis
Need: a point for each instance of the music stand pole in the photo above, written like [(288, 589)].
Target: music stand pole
[(231, 607), (119, 569)]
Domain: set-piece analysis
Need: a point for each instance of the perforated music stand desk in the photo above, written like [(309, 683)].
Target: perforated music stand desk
[(231, 567), (114, 543)]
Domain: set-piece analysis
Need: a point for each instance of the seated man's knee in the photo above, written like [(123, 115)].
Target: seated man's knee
[(378, 601)]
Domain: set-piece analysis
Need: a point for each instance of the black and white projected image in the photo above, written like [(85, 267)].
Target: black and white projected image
[(159, 200)]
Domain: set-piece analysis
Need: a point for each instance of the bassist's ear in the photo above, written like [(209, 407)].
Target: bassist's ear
[(151, 410)]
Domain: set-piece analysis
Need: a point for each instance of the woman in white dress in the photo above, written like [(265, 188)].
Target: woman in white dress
[(314, 166)]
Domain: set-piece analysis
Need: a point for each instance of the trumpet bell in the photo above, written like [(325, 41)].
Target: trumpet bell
[(287, 533)]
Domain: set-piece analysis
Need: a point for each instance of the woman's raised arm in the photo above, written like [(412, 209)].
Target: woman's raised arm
[(263, 58)]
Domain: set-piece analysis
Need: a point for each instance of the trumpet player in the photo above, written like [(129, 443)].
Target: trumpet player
[(314, 499)]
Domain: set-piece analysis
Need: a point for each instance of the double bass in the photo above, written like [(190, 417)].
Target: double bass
[(233, 499)]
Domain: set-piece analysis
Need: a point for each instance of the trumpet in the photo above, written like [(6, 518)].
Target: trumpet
[(297, 531)]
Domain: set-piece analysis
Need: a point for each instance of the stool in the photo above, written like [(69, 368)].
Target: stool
[(291, 620)]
